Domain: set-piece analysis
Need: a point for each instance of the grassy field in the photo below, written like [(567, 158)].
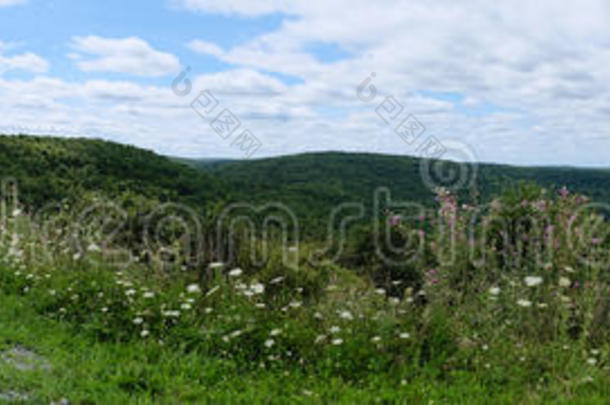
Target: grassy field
[(87, 371), (130, 300)]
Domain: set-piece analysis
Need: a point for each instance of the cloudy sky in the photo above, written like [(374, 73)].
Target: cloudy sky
[(514, 81)]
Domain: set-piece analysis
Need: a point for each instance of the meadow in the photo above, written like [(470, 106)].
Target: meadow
[(507, 305), (133, 285)]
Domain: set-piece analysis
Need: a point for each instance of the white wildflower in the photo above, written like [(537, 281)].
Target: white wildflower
[(346, 315), (257, 288), (564, 282), (277, 280), (138, 321), (533, 281), (144, 333), (524, 303), (193, 289), (171, 313), (376, 339), (269, 343), (335, 329), (148, 294), (320, 339), (275, 332), (404, 335), (93, 248), (186, 306), (494, 290), (337, 341), (236, 272)]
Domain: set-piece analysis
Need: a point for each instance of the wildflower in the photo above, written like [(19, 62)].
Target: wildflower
[(533, 281), (208, 310), (144, 333), (277, 280), (524, 303), (257, 288), (93, 248), (318, 315), (104, 309), (376, 339), (269, 343), (404, 335), (193, 289), (485, 348), (395, 220), (171, 314), (394, 301), (186, 306), (564, 282), (236, 272), (494, 290), (337, 341), (216, 265), (380, 291), (592, 361), (275, 332), (130, 292), (235, 334), (138, 321), (346, 315), (52, 292), (148, 294), (320, 339), (335, 329), (295, 304)]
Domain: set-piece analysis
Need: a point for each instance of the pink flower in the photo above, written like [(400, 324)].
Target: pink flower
[(395, 220)]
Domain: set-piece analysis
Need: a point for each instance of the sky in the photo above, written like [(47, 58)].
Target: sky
[(520, 82)]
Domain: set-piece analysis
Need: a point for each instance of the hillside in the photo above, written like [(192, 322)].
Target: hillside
[(50, 169), (312, 184)]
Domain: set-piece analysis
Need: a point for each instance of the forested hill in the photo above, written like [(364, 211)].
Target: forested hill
[(51, 169), (310, 182)]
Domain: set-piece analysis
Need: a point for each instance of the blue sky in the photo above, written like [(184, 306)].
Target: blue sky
[(504, 82)]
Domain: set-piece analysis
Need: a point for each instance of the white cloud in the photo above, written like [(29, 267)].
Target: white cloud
[(541, 61), (7, 3), (205, 47), (123, 55), (24, 61), (527, 82), (239, 7)]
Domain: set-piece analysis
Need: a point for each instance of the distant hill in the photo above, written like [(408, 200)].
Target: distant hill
[(50, 169), (313, 183)]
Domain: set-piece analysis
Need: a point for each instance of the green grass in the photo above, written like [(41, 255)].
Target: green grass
[(86, 371)]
